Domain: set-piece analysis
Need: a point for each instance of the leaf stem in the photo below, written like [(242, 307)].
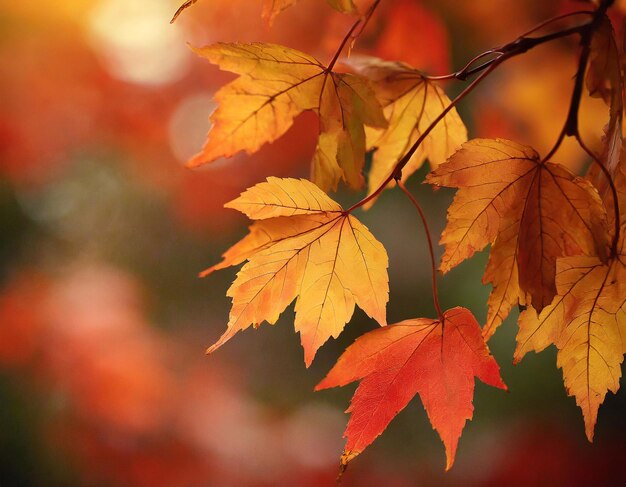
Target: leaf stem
[(433, 265), (556, 19), (521, 44), (605, 171), (362, 20)]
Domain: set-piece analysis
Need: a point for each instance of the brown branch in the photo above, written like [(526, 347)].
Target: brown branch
[(520, 45)]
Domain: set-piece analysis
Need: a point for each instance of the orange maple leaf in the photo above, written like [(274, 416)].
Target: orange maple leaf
[(275, 85), (533, 212), (411, 102), (303, 245), (436, 359)]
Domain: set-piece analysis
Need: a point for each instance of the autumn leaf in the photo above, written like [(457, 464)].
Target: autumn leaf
[(303, 245), (411, 103), (603, 75), (587, 323), (275, 85), (436, 359), (533, 212)]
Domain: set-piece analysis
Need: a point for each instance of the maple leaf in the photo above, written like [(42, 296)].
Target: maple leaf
[(436, 359), (303, 245), (411, 103), (603, 75), (275, 85), (533, 212), (587, 323)]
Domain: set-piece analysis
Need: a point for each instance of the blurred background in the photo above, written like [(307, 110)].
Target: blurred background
[(104, 323)]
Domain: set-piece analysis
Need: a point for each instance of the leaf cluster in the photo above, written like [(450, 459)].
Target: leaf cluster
[(556, 238)]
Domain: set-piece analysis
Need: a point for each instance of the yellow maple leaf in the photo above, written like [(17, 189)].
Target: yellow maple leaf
[(303, 245), (276, 84), (587, 323), (531, 211), (411, 103)]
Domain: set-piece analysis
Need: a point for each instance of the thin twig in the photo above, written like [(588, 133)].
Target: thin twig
[(596, 160), (521, 44), (363, 20), (556, 19), (433, 265)]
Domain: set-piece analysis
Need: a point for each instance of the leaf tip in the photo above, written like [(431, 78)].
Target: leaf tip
[(206, 272), (309, 355), (590, 427), (347, 457), (196, 161), (450, 456), (323, 384)]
